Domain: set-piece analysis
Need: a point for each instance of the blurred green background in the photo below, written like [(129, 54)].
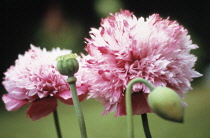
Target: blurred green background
[(65, 24), (196, 125)]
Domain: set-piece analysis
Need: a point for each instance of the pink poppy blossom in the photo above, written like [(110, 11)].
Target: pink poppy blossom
[(126, 47), (34, 79)]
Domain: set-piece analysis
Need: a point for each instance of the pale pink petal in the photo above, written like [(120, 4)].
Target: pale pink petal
[(41, 108), (13, 104), (82, 96), (66, 96)]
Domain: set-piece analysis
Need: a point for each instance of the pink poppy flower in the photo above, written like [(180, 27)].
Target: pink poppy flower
[(34, 79), (126, 47)]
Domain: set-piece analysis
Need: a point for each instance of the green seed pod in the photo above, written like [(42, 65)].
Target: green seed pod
[(167, 104), (67, 64)]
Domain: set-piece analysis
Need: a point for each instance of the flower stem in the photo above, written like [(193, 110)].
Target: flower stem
[(129, 104), (78, 110), (146, 126), (55, 116)]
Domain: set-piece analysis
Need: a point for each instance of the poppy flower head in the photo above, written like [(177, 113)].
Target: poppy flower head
[(35, 79), (125, 47)]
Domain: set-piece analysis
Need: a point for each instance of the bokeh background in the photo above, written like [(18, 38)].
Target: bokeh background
[(65, 24)]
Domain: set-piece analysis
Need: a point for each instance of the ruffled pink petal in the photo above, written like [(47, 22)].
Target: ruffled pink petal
[(13, 104), (41, 108), (139, 104)]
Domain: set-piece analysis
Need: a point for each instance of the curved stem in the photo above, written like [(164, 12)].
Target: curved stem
[(129, 104), (58, 130), (78, 110)]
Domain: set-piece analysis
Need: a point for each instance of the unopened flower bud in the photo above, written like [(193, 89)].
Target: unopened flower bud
[(67, 64), (167, 104)]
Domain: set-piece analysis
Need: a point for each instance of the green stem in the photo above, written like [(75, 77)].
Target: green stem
[(146, 126), (78, 110), (58, 130), (129, 104)]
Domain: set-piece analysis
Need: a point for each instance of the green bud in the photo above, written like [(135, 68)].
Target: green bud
[(67, 64), (166, 103)]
